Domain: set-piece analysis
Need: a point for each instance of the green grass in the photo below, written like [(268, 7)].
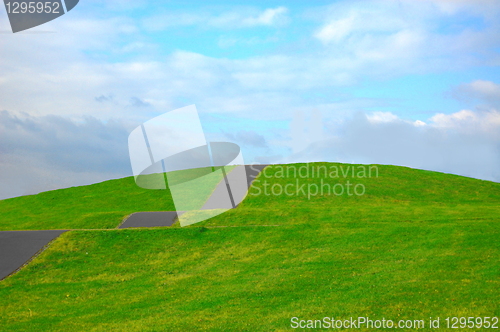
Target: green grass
[(97, 206), (102, 205), (398, 194), (417, 244)]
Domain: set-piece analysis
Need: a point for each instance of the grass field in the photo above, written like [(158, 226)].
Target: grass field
[(98, 206), (417, 244)]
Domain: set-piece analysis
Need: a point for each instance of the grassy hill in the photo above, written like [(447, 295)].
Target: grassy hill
[(97, 206), (415, 245)]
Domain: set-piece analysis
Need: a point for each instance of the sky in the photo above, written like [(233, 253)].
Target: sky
[(400, 82)]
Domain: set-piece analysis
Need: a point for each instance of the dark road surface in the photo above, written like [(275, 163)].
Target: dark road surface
[(158, 219), (150, 219), (17, 247)]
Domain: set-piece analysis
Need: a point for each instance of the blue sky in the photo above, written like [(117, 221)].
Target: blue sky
[(286, 80)]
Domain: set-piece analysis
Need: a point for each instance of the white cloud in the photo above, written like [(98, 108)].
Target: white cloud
[(452, 7), (237, 18), (486, 88), (249, 138), (270, 16), (454, 119), (51, 152), (164, 21), (467, 121), (335, 31), (464, 143), (398, 37), (484, 91), (61, 78), (81, 70), (382, 117)]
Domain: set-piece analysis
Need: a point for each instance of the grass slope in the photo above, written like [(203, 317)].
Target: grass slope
[(97, 206), (417, 244), (398, 194)]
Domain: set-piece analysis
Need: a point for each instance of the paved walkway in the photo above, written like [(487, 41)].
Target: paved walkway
[(150, 219), (217, 200), (18, 247)]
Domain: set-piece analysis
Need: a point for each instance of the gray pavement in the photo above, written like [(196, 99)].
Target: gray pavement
[(17, 247), (234, 186), (219, 199), (252, 172), (150, 219)]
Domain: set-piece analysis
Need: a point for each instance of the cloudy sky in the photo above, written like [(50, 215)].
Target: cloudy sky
[(413, 83)]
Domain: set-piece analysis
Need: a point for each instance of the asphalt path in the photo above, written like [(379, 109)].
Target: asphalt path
[(150, 219), (18, 247), (168, 218)]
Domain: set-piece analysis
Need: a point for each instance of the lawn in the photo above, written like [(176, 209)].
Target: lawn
[(97, 206), (416, 245)]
